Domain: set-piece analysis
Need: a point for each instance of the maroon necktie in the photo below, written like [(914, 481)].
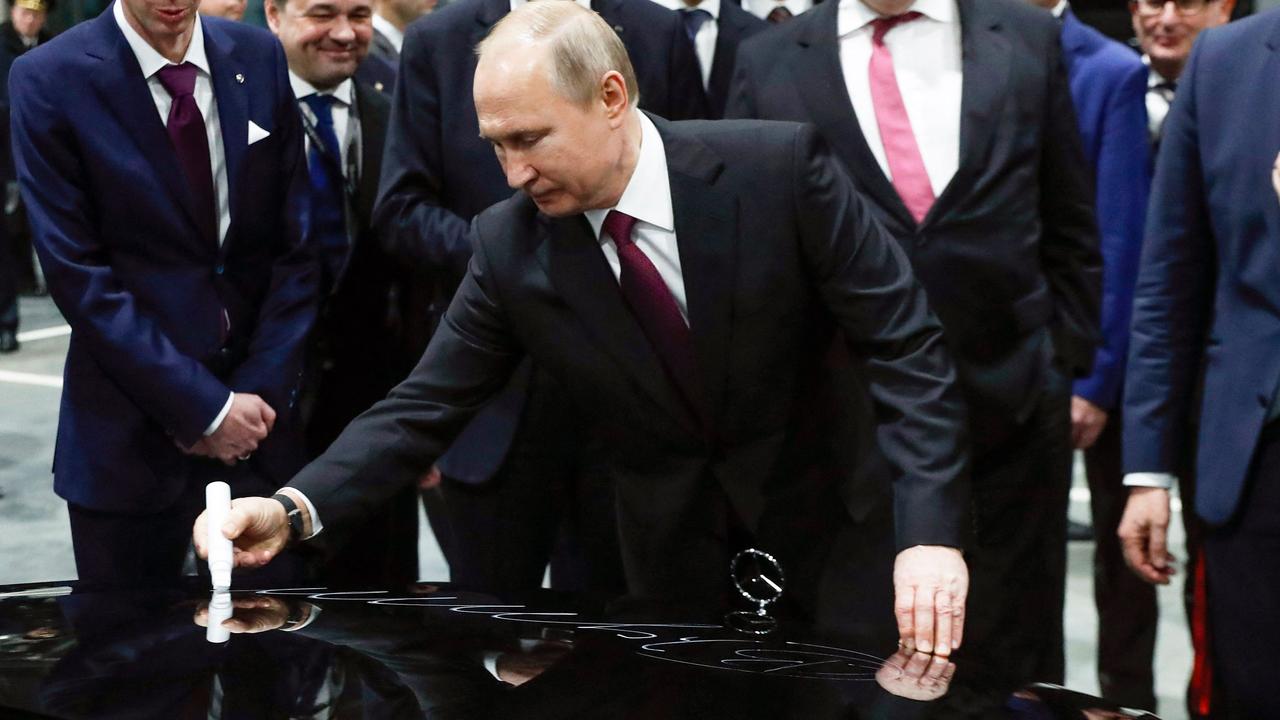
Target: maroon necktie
[(906, 165), (655, 308), (779, 14), (187, 132)]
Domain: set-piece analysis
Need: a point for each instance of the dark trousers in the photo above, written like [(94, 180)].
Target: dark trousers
[(1127, 610), (1242, 564), (8, 285), (550, 501), (1017, 561), (1128, 614), (124, 550)]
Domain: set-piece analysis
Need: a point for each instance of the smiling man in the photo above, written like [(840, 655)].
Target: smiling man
[(160, 157), (354, 356), (686, 308)]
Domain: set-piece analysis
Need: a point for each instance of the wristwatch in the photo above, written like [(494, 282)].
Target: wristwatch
[(293, 514)]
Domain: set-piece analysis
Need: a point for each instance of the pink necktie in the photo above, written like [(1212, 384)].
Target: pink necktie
[(906, 166)]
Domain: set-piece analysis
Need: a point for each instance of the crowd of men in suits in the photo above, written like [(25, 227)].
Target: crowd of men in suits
[(989, 238)]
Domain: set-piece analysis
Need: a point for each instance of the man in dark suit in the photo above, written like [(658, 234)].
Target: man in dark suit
[(355, 355), (716, 29), (686, 308), (390, 20), (954, 118), (1108, 87), (160, 157), (1206, 306), (525, 453), (25, 30)]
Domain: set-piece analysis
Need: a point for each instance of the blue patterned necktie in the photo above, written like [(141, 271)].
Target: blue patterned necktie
[(328, 193), (693, 19)]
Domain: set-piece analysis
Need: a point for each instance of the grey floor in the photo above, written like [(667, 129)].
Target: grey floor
[(35, 545)]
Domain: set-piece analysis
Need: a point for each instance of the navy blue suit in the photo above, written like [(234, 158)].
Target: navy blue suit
[(1207, 302), (1108, 86), (165, 323), (438, 174), (732, 27)]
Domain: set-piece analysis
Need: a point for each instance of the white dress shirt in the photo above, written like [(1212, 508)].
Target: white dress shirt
[(151, 63), (927, 65), (389, 31), (1158, 100), (345, 125), (704, 43), (762, 8), (648, 200)]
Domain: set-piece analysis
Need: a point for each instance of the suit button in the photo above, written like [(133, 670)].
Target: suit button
[(219, 269), (225, 352)]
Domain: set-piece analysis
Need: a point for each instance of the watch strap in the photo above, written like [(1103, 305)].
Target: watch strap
[(293, 514)]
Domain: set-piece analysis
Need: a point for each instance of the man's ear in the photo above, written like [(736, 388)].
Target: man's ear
[(613, 94)]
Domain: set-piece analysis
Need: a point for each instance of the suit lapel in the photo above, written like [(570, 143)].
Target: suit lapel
[(229, 79), (821, 82), (124, 91), (373, 124), (985, 58), (489, 13), (572, 258), (706, 228), (728, 36)]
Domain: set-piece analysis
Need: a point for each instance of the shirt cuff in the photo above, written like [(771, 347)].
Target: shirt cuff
[(316, 525), (1150, 479), (217, 422)]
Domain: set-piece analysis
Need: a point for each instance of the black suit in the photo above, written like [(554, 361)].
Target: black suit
[(438, 175), (732, 27), (1009, 256), (356, 355), (770, 271)]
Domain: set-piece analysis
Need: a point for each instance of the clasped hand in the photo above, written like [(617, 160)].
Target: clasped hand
[(247, 424)]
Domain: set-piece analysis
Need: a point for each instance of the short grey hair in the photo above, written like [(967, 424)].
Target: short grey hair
[(582, 45)]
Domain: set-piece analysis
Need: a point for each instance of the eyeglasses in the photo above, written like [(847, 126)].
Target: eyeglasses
[(1151, 8)]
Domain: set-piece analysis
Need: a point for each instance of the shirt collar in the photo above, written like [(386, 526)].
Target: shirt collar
[(149, 59), (1154, 77), (854, 15), (340, 92), (519, 3), (1060, 9), (648, 194), (390, 31), (711, 6)]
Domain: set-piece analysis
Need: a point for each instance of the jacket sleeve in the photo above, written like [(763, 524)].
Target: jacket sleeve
[(468, 360), (1123, 185), (409, 216), (1069, 237), (176, 390), (1173, 294)]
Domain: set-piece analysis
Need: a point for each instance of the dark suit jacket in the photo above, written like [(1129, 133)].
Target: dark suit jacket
[(1009, 251), (439, 173), (732, 27), (356, 354), (1108, 88), (1206, 293), (771, 269), (165, 322)]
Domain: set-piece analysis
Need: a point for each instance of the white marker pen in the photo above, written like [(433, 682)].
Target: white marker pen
[(217, 505)]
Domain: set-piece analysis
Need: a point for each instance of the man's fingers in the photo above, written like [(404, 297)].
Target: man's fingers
[(904, 608), (1157, 551), (1134, 550), (268, 415), (942, 609), (238, 520), (198, 534), (924, 619), (957, 617)]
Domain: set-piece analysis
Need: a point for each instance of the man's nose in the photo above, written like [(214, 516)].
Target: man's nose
[(342, 31), (519, 172)]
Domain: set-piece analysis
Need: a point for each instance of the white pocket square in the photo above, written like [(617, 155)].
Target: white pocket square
[(256, 133)]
